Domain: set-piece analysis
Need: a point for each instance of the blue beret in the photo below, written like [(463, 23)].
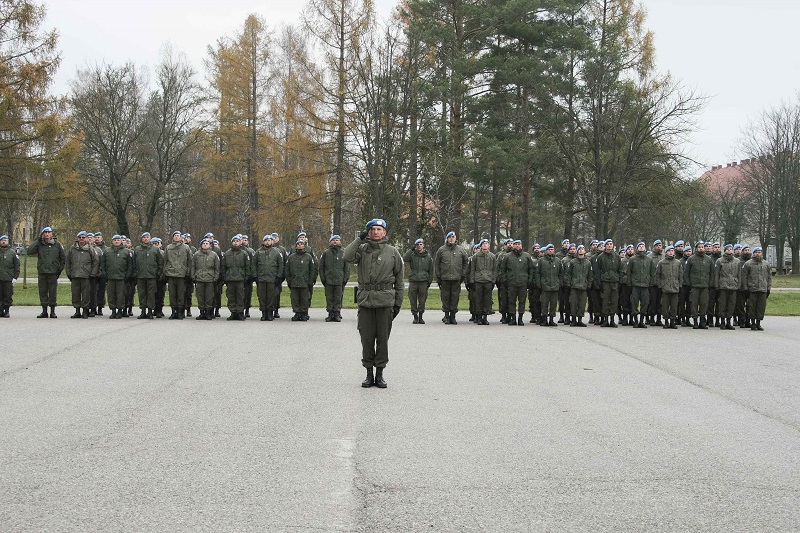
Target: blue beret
[(376, 222), (475, 247), (728, 246), (116, 237), (572, 245), (450, 234), (629, 247), (268, 236), (668, 248), (687, 248), (81, 234), (156, 239), (334, 237), (716, 243), (207, 235), (145, 234), (641, 243), (236, 237), (537, 245), (506, 241), (176, 232), (608, 241), (737, 246), (565, 241), (757, 249), (699, 243), (548, 247), (581, 247), (594, 241), (483, 241), (516, 241), (186, 235), (245, 237), (3, 237), (275, 234), (302, 234), (300, 241), (205, 240), (657, 242), (679, 243), (419, 241), (47, 229), (90, 234)]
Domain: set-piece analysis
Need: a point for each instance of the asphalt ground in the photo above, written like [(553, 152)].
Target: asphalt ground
[(138, 425)]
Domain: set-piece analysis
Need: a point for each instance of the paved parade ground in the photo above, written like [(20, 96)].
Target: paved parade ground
[(137, 425)]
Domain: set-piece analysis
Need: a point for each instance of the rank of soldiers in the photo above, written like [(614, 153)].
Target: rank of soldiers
[(708, 285)]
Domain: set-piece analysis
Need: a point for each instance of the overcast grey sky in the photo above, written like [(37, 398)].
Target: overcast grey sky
[(740, 53)]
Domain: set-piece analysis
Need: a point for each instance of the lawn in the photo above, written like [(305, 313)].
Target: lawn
[(778, 304)]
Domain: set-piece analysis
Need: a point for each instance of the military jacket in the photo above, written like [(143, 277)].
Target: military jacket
[(380, 273), (726, 273), (177, 260), (333, 269), (82, 262), (451, 263), (267, 264), (641, 270), (669, 275), (9, 263), (420, 264), (579, 274), (482, 268), (549, 273), (205, 266), (301, 269), (51, 256), (518, 269), (757, 275), (596, 283), (609, 267), (148, 262), (235, 265), (699, 270), (116, 263)]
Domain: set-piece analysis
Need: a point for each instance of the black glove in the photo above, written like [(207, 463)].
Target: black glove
[(470, 286), (395, 311), (768, 293), (363, 235)]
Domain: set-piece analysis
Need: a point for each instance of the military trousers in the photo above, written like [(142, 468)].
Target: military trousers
[(177, 292), (6, 293), (610, 298), (654, 308), (248, 293), (299, 299), (726, 303), (81, 292), (502, 297), (130, 292), (418, 295), (549, 302), (535, 302), (187, 293), (161, 292), (563, 300), (684, 310), (374, 326), (698, 301), (577, 302), (713, 300), (516, 298), (218, 293), (235, 293), (624, 305), (669, 304), (597, 301), (483, 298), (205, 295), (116, 293), (267, 292), (101, 292), (742, 298), (757, 305), (450, 292), (147, 292), (640, 300), (333, 297), (48, 289)]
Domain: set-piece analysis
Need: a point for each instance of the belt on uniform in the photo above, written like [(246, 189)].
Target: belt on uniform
[(376, 287)]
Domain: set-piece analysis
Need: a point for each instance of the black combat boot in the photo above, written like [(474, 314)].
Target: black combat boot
[(472, 317), (143, 314), (43, 314), (642, 325), (416, 318), (181, 313), (674, 323), (485, 320), (520, 319), (758, 325), (504, 318), (296, 317), (247, 312), (420, 318), (624, 320), (85, 312), (703, 323), (666, 324), (202, 315), (753, 325), (580, 323), (511, 320), (189, 312), (100, 311), (113, 313), (370, 381), (552, 322), (452, 321), (77, 313), (695, 324), (303, 317), (729, 325), (174, 315), (53, 311), (329, 318), (89, 312), (658, 321), (216, 313), (561, 318), (574, 322), (379, 382)]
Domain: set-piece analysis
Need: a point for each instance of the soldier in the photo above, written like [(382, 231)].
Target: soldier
[(9, 272), (579, 277), (51, 260), (757, 279), (679, 247), (248, 283), (116, 267), (592, 252), (81, 263), (187, 302), (654, 309), (215, 247), (640, 274), (502, 288), (482, 271), (534, 291), (742, 296), (267, 266), (177, 267), (699, 271), (597, 285), (420, 278), (302, 236), (519, 273), (235, 268), (548, 277), (713, 298), (334, 272), (564, 290), (276, 240), (161, 282), (379, 296), (451, 269), (609, 270), (624, 298), (131, 282), (148, 268), (686, 290), (726, 280), (669, 279), (470, 286), (100, 299), (205, 272), (301, 273)]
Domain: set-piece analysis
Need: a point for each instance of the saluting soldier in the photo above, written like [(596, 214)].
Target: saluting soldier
[(379, 297), (9, 271), (757, 276), (267, 268), (82, 263), (451, 269), (669, 279), (116, 267), (334, 272), (420, 262), (51, 260)]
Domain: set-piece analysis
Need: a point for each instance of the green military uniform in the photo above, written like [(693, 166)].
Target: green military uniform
[(235, 267), (579, 278), (548, 277), (609, 272), (757, 279), (82, 263), (482, 275), (177, 267), (450, 263), (518, 273), (9, 271), (334, 272), (301, 273), (205, 273), (51, 259), (380, 295), (669, 279), (148, 269), (116, 267), (267, 268), (699, 270), (726, 280), (640, 276), (419, 280)]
